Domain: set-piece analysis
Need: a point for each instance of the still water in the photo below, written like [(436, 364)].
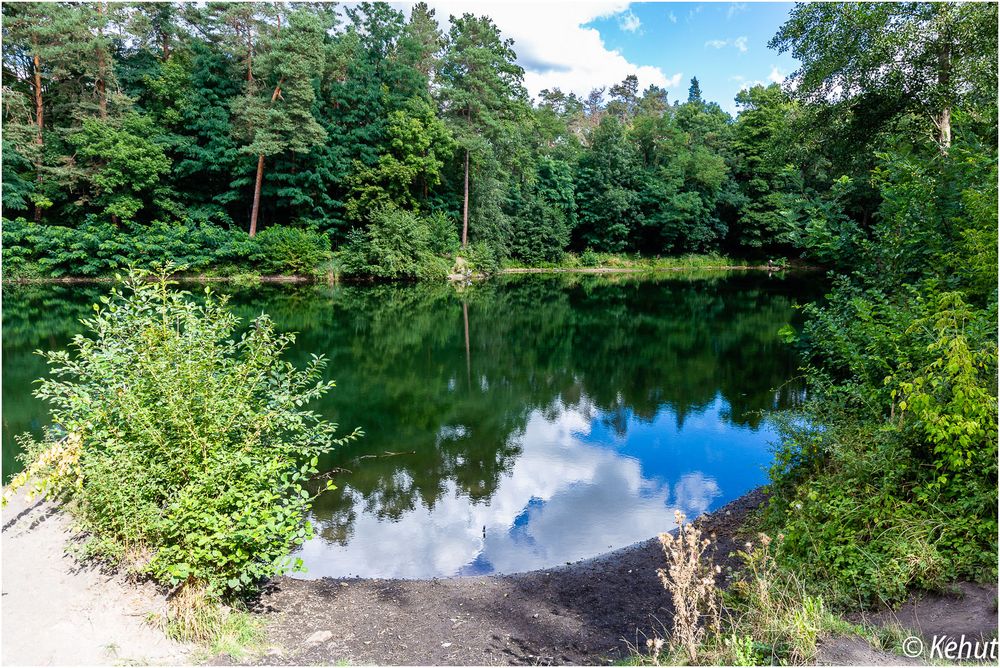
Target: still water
[(521, 423)]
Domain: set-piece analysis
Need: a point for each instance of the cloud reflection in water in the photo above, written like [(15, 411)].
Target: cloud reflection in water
[(577, 489)]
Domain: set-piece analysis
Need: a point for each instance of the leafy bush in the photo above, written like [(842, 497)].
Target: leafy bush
[(590, 258), (184, 447), (443, 234), (291, 250), (395, 246), (481, 258), (891, 480), (97, 248)]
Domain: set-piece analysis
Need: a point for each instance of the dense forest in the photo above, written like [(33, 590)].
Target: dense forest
[(262, 135)]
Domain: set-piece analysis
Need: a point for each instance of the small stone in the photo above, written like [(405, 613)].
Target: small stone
[(318, 637), (446, 644), (274, 651), (535, 615)]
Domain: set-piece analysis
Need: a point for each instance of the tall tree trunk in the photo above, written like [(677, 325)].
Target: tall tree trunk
[(249, 58), (39, 122), (943, 121), (256, 195), (102, 66), (465, 206), (260, 175)]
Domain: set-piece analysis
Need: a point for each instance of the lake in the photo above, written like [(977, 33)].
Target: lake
[(520, 423)]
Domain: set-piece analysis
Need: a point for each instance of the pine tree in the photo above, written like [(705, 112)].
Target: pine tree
[(481, 88)]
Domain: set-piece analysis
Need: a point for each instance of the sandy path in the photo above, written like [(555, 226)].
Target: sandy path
[(57, 612)]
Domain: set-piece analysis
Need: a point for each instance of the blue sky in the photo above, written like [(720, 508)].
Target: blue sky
[(723, 44), (579, 45)]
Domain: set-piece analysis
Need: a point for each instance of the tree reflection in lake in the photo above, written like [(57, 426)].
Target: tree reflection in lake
[(519, 423)]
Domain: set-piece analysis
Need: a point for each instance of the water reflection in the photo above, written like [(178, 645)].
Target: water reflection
[(516, 424), (577, 489)]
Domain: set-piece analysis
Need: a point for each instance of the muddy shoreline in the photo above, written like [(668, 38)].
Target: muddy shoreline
[(585, 613)]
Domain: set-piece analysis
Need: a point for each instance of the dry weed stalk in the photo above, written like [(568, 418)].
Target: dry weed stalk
[(690, 579)]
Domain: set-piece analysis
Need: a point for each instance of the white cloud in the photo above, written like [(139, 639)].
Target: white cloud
[(735, 8), (776, 75), (675, 80), (672, 17), (554, 47), (740, 43), (629, 22)]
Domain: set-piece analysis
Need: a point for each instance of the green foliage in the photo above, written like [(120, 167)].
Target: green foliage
[(163, 113), (292, 251), (548, 214), (193, 445), (396, 246), (889, 480), (443, 234), (952, 398), (482, 259), (97, 249), (418, 143), (123, 166), (847, 49), (606, 190)]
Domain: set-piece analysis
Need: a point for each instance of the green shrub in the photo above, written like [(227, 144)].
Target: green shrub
[(395, 246), (184, 446), (443, 234), (97, 248), (292, 251), (481, 258), (590, 258), (890, 480)]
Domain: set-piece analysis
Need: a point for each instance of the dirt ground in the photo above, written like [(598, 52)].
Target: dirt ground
[(584, 613), (57, 612), (966, 609)]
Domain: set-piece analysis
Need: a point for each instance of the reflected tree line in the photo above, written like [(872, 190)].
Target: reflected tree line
[(444, 379)]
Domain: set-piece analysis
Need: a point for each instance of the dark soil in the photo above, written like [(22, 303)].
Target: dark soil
[(585, 613), (965, 609)]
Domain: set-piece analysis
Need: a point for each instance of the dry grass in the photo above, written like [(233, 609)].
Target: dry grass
[(766, 617), (690, 579), (193, 616)]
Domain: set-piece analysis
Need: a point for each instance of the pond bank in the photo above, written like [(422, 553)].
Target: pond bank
[(640, 270), (582, 613)]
